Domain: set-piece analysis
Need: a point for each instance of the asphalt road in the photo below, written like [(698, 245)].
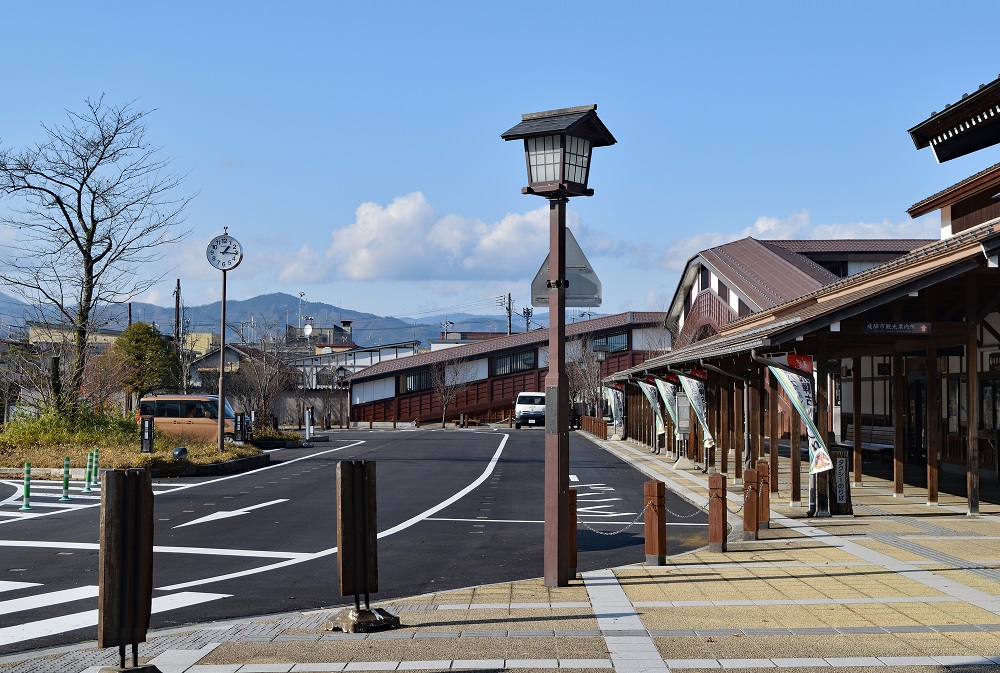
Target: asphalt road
[(455, 509)]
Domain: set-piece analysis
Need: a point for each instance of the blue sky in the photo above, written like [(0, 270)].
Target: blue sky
[(354, 148)]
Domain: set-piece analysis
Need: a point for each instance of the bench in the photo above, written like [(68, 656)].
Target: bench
[(876, 441)]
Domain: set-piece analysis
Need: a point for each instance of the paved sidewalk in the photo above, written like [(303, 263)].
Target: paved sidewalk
[(900, 586)]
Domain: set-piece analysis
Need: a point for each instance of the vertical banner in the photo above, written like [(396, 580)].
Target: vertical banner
[(694, 388), (649, 390), (799, 389), (616, 401), (668, 391)]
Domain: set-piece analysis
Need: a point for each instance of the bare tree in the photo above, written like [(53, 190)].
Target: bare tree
[(91, 204), (584, 376), (263, 371), (449, 380)]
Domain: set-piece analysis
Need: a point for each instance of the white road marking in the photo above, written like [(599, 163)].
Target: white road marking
[(333, 550), (573, 477), (207, 551), (215, 516), (80, 620), (11, 586), (47, 599)]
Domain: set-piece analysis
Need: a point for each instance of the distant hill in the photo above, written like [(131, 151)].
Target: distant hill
[(368, 329)]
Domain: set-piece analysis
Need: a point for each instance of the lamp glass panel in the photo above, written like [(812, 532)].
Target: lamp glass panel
[(544, 158), (577, 159)]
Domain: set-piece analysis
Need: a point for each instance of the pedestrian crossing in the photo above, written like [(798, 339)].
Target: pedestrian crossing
[(36, 598), (46, 497)]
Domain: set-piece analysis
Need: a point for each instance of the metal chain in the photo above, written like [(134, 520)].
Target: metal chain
[(617, 532)]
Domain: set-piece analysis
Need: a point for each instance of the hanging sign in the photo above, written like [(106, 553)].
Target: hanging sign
[(896, 328), (668, 391), (694, 387), (649, 390), (799, 388)]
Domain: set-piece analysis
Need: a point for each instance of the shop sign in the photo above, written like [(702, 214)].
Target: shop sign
[(896, 328)]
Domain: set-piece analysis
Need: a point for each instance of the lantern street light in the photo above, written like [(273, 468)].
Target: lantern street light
[(557, 150)]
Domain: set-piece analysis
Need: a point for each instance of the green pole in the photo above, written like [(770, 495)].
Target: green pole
[(65, 495), (90, 466), (26, 507), (96, 476)]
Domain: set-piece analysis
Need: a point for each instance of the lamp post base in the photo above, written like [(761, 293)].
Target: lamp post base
[(352, 620)]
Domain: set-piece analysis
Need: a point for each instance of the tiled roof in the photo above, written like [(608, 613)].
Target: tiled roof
[(756, 330), (506, 343), (764, 275), (852, 245), (972, 184)]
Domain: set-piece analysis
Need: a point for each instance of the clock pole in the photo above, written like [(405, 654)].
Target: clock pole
[(222, 369)]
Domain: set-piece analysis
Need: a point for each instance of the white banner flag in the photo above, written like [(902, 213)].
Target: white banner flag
[(799, 388), (694, 388)]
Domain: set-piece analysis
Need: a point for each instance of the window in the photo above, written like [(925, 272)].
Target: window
[(706, 278), (513, 362), (723, 292), (744, 309), (616, 343), (411, 383)]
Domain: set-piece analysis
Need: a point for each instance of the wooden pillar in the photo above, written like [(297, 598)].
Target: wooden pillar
[(933, 423), (754, 411), (775, 431), (972, 408), (823, 420), (795, 451), (856, 414), (898, 423), (725, 439), (712, 412), (739, 429)]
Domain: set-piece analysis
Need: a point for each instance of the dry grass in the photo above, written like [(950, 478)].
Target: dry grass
[(46, 441)]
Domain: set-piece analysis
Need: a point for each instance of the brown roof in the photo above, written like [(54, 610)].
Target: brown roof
[(852, 245), (973, 184), (506, 343), (767, 275), (838, 300)]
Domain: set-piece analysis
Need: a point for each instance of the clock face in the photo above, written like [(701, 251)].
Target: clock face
[(224, 252)]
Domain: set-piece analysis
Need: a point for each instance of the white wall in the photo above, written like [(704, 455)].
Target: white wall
[(650, 339), (369, 391), (465, 372)]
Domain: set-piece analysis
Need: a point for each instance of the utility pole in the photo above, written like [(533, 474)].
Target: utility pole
[(505, 303), (177, 319), (526, 312)]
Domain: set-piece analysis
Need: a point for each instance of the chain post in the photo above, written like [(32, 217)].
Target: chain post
[(654, 497), (717, 528), (764, 494), (751, 487)]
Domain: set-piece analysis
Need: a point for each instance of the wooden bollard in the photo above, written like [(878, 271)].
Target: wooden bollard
[(572, 532), (750, 489), (717, 512), (654, 502), (764, 494)]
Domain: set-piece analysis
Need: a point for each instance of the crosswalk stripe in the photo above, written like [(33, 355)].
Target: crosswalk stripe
[(80, 620), (47, 599), (11, 586)]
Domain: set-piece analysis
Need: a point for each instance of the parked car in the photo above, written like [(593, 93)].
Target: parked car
[(194, 417), (529, 409)]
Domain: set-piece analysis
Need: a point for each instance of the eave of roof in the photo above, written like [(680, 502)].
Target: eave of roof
[(506, 343), (981, 181), (920, 268), (958, 119)]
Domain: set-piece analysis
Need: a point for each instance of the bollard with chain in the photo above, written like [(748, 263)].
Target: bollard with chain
[(26, 507), (764, 494), (65, 495), (654, 501), (717, 512), (750, 490), (572, 521)]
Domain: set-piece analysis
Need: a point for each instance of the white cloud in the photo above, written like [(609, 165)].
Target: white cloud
[(407, 241)]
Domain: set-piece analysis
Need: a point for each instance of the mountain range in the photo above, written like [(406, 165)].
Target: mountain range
[(281, 308)]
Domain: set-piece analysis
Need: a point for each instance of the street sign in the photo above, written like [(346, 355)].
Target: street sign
[(584, 285)]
